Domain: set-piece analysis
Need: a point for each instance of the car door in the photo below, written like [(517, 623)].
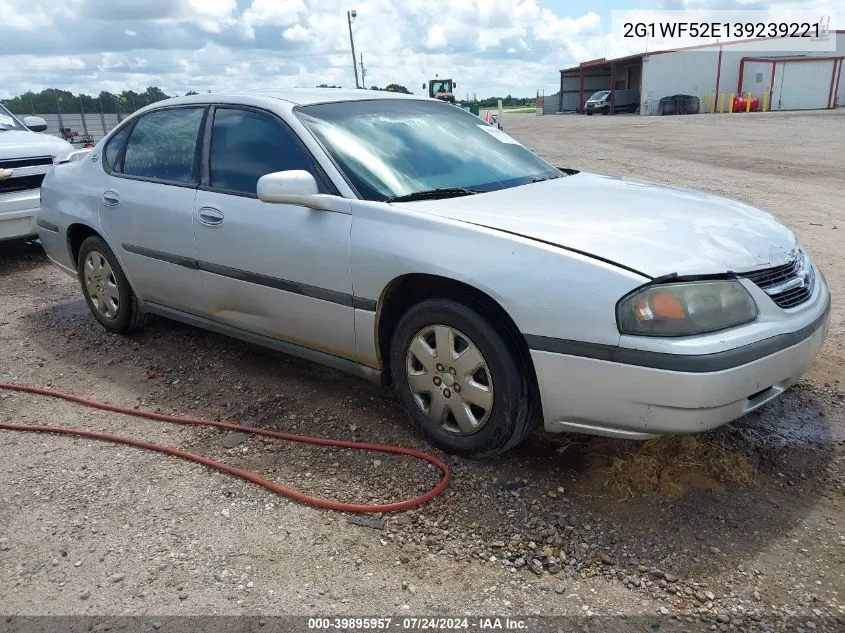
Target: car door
[(146, 207), (279, 270)]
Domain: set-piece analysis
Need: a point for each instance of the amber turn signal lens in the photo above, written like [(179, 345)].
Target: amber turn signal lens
[(667, 306)]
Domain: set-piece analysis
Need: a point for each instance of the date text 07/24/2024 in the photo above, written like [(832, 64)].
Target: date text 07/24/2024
[(417, 623)]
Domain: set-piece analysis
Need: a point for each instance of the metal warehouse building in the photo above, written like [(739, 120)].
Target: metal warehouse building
[(794, 80)]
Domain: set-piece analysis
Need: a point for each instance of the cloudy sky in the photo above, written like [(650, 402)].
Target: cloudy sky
[(490, 47)]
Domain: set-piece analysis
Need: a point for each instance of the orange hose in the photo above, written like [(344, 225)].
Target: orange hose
[(319, 502)]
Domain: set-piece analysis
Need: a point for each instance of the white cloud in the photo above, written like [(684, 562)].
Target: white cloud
[(210, 15), (25, 17), (56, 63), (273, 13), (488, 46)]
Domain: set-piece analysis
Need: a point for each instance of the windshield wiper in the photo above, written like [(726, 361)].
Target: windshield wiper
[(433, 194), (542, 178)]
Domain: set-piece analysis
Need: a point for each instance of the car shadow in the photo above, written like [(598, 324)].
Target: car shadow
[(567, 488), (17, 256)]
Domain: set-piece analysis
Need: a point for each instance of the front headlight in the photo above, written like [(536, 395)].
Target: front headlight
[(685, 308)]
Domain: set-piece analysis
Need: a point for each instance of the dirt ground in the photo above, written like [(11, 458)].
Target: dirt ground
[(736, 529)]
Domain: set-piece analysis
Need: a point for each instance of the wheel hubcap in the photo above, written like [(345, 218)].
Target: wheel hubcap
[(101, 285), (449, 379)]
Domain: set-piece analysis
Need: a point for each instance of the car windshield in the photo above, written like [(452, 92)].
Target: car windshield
[(389, 148), (8, 121), (598, 95)]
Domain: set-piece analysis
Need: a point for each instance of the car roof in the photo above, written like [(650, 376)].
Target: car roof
[(295, 96)]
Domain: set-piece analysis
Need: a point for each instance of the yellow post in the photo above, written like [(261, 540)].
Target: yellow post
[(766, 101), (731, 103), (722, 103), (713, 103), (748, 103)]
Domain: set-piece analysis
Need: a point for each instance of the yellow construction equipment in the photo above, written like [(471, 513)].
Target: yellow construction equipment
[(441, 89)]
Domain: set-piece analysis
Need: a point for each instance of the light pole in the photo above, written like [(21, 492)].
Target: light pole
[(350, 16)]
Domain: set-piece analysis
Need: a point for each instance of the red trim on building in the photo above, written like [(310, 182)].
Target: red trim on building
[(731, 43), (612, 86), (581, 102)]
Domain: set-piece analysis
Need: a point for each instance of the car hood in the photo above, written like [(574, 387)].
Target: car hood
[(25, 144), (651, 228)]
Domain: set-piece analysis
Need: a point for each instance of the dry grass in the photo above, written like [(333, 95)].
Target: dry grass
[(669, 466)]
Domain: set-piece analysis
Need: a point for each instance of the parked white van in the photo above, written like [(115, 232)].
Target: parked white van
[(623, 101)]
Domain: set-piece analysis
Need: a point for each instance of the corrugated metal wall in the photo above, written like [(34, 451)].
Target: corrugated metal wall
[(695, 72), (682, 72), (551, 103), (594, 80), (803, 85)]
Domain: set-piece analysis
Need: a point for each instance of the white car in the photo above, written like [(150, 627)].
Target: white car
[(25, 156), (404, 239)]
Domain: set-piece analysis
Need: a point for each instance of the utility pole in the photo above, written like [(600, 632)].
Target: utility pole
[(363, 72), (350, 16)]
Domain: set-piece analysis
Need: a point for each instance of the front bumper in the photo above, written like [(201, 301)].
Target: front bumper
[(17, 214), (616, 399)]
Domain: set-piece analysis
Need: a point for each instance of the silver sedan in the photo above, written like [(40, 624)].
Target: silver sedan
[(407, 241)]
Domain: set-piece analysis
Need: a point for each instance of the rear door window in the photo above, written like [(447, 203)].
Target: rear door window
[(163, 144)]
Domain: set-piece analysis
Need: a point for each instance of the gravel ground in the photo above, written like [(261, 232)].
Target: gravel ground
[(739, 529)]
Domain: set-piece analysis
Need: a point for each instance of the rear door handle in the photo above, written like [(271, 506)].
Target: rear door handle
[(110, 198), (210, 216)]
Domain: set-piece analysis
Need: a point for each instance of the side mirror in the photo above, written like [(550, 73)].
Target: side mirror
[(423, 86), (295, 186), (35, 123)]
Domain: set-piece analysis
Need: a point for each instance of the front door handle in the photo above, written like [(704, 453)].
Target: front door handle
[(210, 216), (110, 198)]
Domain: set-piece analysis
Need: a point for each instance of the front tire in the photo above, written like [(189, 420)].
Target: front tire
[(463, 384), (107, 291)]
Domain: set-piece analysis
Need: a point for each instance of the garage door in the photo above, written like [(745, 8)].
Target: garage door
[(803, 85)]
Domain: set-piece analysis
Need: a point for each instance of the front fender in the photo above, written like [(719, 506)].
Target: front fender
[(546, 290)]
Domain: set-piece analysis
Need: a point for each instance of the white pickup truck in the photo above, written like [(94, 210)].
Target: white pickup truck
[(25, 156)]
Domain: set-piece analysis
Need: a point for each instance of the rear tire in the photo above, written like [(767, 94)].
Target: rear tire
[(463, 384), (106, 289)]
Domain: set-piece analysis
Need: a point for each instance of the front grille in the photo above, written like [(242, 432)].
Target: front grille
[(788, 285), (17, 163), (24, 183)]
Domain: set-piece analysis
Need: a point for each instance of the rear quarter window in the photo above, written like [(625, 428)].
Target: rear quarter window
[(162, 145), (112, 149)]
